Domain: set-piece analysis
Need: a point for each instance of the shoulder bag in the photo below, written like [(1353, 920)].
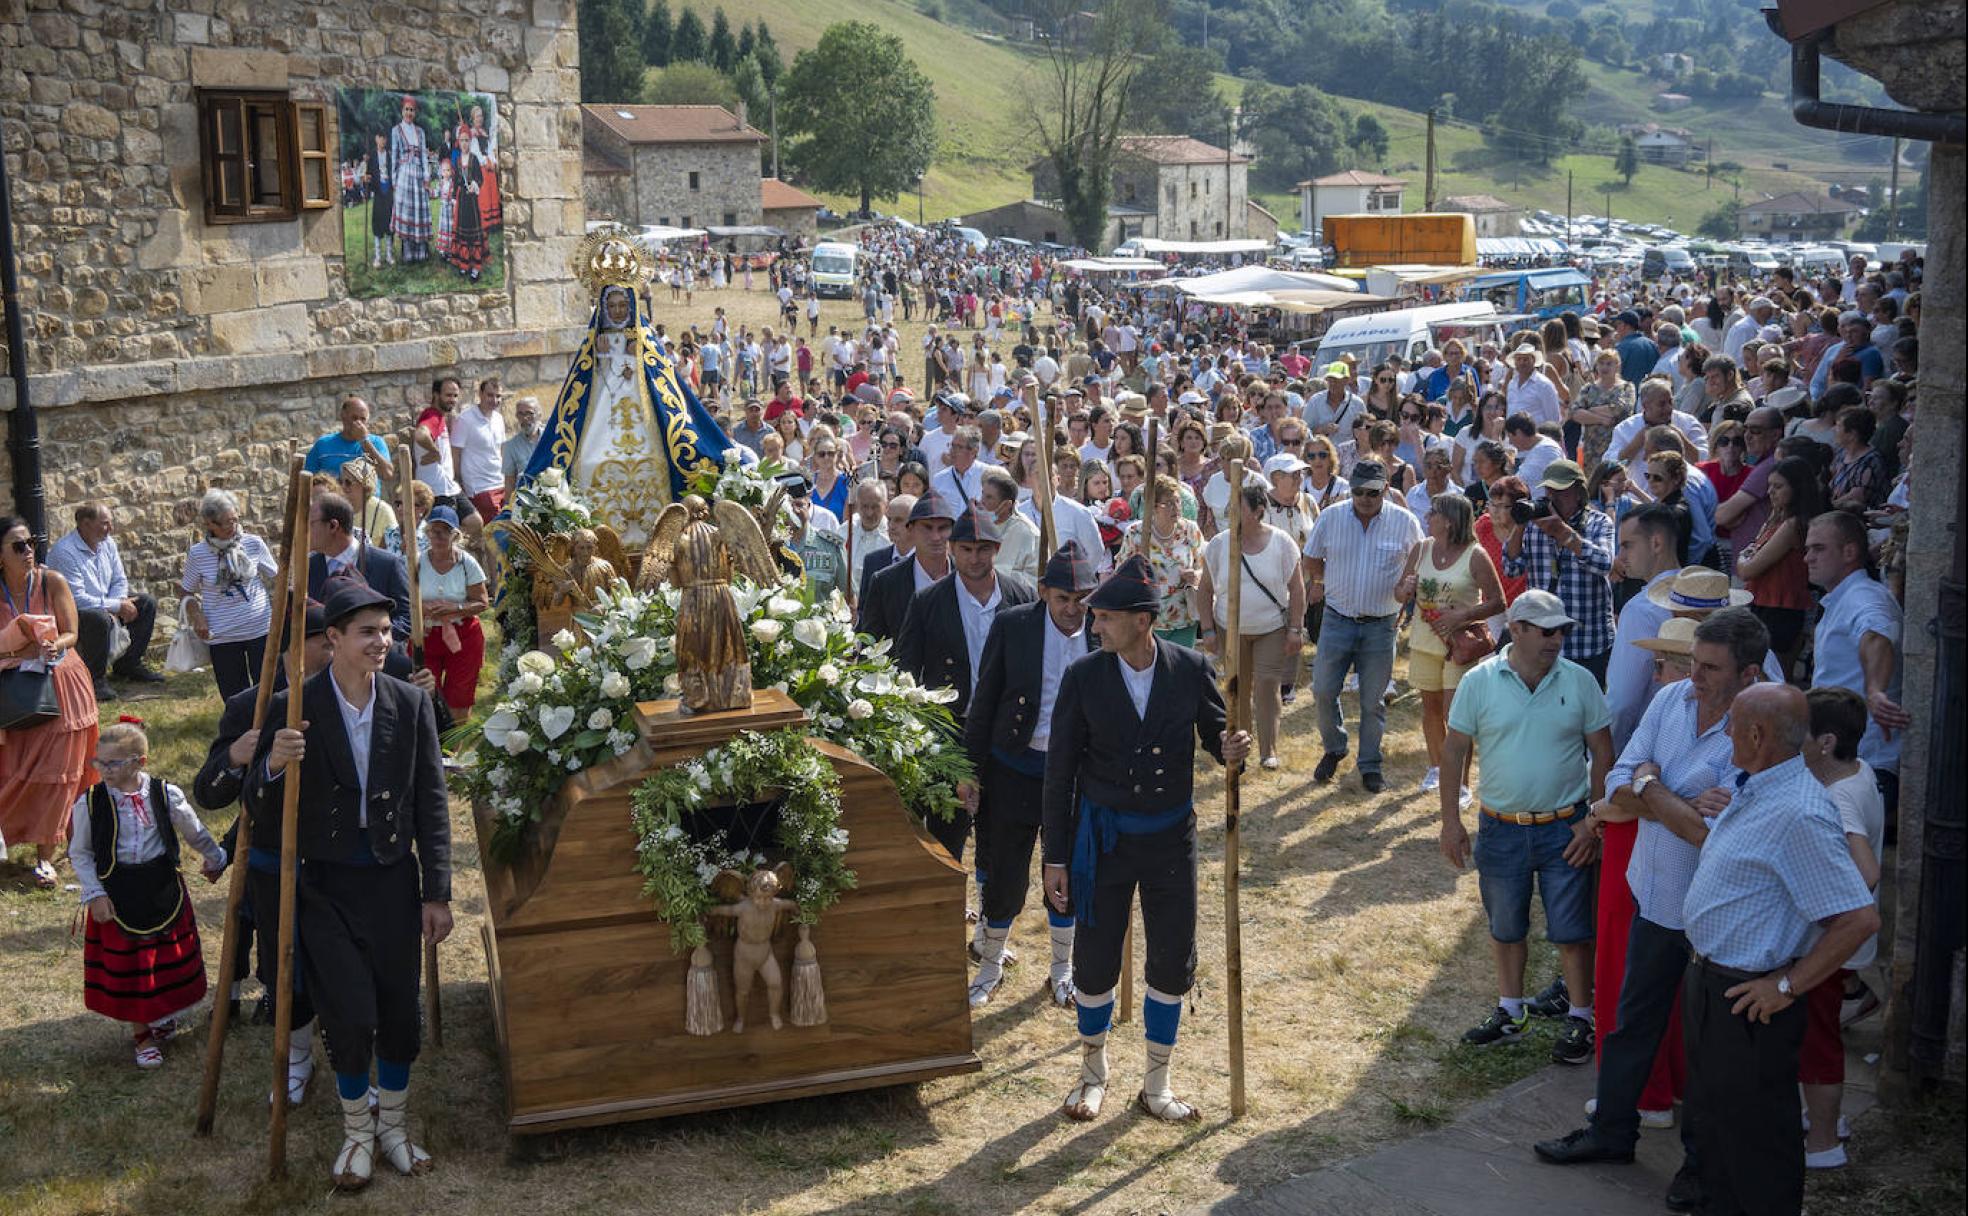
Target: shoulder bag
[(27, 695)]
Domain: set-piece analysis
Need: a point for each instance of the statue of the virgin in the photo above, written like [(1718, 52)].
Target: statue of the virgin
[(625, 430)]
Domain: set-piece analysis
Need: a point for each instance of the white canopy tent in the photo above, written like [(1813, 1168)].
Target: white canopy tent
[(1212, 287), (1149, 244), (1519, 247), (1112, 265)]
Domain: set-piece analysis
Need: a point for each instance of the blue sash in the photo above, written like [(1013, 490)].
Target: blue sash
[(1030, 763), (1101, 828)]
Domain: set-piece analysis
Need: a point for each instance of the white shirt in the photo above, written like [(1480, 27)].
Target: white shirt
[(935, 446), (962, 489), (1270, 568), (924, 579), (437, 474), (1018, 553), (1861, 812), (137, 837), (478, 437), (1630, 669), (1139, 684), (1092, 451), (1634, 423), (977, 618), (1363, 561), (1072, 520), (1739, 335), (357, 722), (861, 542), (1857, 606), (1531, 464), (1537, 396), (1060, 649)]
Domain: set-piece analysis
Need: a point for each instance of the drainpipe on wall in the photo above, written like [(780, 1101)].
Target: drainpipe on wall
[(1811, 110), (23, 429)]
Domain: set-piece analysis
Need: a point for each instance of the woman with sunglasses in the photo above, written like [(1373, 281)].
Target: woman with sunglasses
[(1384, 392), (1772, 565), (44, 768), (887, 457), (375, 519), (830, 485), (1492, 409), (1726, 470), (1667, 481)]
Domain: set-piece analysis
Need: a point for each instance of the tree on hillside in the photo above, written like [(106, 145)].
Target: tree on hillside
[(689, 83), (722, 49), (766, 52), (746, 40), (1086, 86), (749, 84), (687, 42), (1626, 162), (861, 116), (1185, 100), (611, 59), (1293, 134), (1722, 224), (657, 30), (1369, 138)]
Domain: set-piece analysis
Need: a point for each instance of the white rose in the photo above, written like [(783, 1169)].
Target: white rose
[(785, 606), (859, 710), (601, 719), (526, 684), (549, 479), (517, 742), (538, 662), (614, 685), (767, 630), (638, 653), (565, 640), (828, 673), (810, 632)]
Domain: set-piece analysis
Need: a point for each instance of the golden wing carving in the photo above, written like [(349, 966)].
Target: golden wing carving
[(750, 556), (784, 873), (548, 557), (728, 887), (608, 545), (558, 545), (660, 553)]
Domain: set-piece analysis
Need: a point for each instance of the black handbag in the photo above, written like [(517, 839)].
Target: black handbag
[(27, 698)]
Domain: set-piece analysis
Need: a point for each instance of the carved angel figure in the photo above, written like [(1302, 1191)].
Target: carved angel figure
[(697, 556), (757, 919), (568, 570)]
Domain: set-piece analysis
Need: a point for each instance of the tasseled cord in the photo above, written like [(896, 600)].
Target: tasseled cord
[(809, 1000), (702, 1013)]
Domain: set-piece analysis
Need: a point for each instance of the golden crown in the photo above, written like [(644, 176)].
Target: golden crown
[(611, 256)]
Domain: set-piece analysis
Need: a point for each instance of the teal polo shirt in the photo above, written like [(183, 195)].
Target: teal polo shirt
[(1530, 744)]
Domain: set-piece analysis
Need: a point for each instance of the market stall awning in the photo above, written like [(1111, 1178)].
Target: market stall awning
[(1112, 265), (1519, 247), (765, 230), (1310, 302), (1149, 244), (1257, 278), (1427, 276)]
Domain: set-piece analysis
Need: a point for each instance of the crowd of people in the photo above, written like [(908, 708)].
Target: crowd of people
[(1644, 561)]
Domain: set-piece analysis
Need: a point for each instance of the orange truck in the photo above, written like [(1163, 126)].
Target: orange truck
[(1425, 238)]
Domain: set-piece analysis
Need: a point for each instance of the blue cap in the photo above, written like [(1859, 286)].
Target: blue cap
[(442, 515)]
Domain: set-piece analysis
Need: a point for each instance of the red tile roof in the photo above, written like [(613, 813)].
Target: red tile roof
[(673, 124), (1355, 177), (775, 195), (1174, 150)]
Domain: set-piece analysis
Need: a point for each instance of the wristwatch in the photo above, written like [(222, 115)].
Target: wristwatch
[(1641, 783), (1783, 986)]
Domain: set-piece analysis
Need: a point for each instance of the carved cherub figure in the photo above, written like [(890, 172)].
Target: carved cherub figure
[(757, 917)]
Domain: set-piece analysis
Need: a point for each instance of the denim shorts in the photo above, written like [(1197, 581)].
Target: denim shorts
[(1507, 856)]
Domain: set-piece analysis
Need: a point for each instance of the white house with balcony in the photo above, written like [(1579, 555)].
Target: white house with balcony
[(1353, 192)]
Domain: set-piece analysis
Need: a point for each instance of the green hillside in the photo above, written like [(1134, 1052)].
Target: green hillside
[(983, 84)]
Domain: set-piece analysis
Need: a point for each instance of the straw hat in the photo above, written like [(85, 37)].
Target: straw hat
[(1677, 636), (1698, 589)]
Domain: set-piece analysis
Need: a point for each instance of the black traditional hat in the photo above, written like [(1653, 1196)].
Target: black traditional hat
[(1069, 569), (976, 529), (317, 618), (932, 506), (348, 596), (1130, 588)]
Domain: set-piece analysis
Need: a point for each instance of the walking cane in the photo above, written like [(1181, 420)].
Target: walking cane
[(290, 809), (208, 1089), (406, 481), (1237, 667)]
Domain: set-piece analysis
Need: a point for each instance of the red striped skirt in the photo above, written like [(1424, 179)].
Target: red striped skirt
[(142, 979)]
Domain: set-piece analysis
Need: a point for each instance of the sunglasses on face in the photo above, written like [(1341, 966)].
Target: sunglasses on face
[(1411, 417), (1383, 380), (1552, 632), (1293, 443), (22, 547), (1366, 493)]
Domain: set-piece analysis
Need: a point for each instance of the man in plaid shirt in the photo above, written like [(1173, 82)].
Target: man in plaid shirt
[(1570, 552)]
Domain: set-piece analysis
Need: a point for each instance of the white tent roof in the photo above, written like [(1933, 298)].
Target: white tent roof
[(1112, 265), (1149, 244), (1211, 287)]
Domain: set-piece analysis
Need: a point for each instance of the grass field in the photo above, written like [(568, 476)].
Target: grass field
[(431, 277)]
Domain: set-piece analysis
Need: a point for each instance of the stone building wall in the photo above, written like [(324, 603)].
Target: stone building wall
[(167, 353), (727, 190)]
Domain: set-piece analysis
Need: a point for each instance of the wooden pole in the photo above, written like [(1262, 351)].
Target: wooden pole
[(1042, 478), (1238, 670), (406, 480), (208, 1089), (290, 809)]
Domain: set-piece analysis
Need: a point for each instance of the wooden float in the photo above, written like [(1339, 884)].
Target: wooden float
[(588, 996)]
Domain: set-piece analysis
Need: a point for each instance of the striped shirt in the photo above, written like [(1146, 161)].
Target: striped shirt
[(241, 612), (1774, 865), (1691, 763), (1363, 560)]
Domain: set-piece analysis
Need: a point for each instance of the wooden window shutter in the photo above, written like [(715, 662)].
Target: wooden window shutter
[(222, 134), (317, 171)]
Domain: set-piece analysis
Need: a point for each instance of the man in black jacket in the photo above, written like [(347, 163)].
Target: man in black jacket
[(1120, 813), (372, 788), (334, 552), (885, 595), (1007, 733)]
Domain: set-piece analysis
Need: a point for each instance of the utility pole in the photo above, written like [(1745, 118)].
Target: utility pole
[(1568, 207), (1709, 157), (1428, 189), (1893, 195), (772, 115), (1609, 204)]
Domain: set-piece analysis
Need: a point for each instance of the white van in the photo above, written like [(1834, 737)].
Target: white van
[(1404, 331), (1820, 259), (834, 268)]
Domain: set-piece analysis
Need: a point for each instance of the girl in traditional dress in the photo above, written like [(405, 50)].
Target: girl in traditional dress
[(141, 961), (409, 170), (44, 766), (445, 191), (491, 216), (468, 236)]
